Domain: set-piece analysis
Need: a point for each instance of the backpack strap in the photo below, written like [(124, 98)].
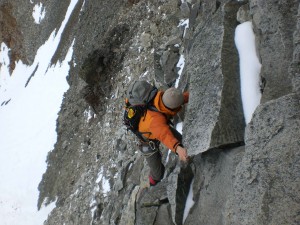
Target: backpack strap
[(152, 108), (140, 134)]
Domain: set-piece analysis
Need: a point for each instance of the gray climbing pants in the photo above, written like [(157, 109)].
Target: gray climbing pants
[(153, 156)]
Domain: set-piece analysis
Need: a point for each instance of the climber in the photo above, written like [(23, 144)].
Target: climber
[(156, 127)]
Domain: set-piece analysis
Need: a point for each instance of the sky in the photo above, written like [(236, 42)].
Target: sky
[(28, 115)]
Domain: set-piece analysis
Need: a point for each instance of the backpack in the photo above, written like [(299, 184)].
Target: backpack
[(139, 98)]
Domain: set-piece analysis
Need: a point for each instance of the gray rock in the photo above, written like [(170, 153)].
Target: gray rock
[(153, 29), (214, 116), (171, 190), (212, 187), (243, 15), (146, 40), (120, 145), (274, 25), (168, 63), (174, 41), (266, 187), (194, 13), (128, 215), (163, 215), (178, 188), (185, 9), (149, 202), (294, 69)]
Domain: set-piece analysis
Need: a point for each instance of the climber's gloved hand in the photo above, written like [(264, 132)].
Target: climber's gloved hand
[(182, 153)]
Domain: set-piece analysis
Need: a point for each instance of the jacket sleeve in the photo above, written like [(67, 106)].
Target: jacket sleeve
[(186, 96), (161, 131)]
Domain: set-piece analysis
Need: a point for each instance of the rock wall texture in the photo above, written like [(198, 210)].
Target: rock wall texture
[(239, 173), (215, 116)]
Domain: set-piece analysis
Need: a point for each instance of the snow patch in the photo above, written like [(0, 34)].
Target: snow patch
[(82, 7), (180, 65), (93, 206), (38, 13), (144, 74), (105, 189), (184, 23), (249, 68), (130, 166), (189, 202), (179, 127), (104, 182), (28, 127), (168, 156), (88, 114), (105, 185)]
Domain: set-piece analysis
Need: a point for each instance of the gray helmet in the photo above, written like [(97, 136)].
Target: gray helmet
[(173, 98)]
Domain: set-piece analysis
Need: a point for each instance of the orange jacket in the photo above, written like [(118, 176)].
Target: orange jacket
[(154, 125)]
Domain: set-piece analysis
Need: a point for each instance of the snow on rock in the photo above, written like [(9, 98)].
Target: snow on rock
[(249, 68), (180, 65), (104, 182), (189, 202), (88, 114), (184, 23), (38, 13)]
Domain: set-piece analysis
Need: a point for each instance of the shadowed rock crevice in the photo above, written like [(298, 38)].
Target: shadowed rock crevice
[(229, 130), (101, 65), (104, 60), (183, 186)]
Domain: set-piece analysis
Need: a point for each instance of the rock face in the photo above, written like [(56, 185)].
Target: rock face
[(213, 186), (19, 32), (215, 114), (274, 26), (266, 181), (240, 173)]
